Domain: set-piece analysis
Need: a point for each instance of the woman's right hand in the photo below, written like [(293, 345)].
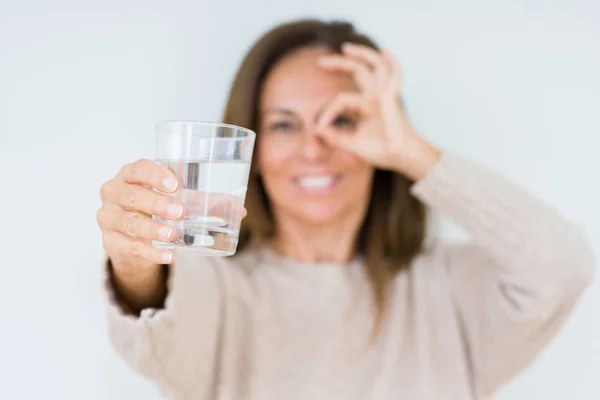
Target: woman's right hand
[(125, 218)]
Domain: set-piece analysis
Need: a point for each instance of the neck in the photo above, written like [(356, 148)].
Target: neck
[(329, 242)]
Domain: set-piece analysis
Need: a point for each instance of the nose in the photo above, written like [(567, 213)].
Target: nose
[(314, 148)]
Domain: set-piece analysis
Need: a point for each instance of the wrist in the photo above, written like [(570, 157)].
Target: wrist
[(138, 288), (416, 158)]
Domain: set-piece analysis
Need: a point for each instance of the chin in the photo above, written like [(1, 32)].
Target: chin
[(319, 213)]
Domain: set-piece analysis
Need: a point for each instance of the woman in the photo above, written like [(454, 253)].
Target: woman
[(332, 293)]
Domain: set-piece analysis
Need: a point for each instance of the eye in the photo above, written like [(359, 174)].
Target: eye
[(344, 121), (281, 126)]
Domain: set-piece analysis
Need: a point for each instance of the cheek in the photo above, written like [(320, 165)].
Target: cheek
[(355, 166), (273, 154), (360, 175), (274, 161)]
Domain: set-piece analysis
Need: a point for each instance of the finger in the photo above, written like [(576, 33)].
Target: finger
[(197, 199), (146, 172), (368, 55), (226, 207), (394, 68), (360, 71), (344, 102), (142, 199), (136, 252), (134, 225), (336, 139)]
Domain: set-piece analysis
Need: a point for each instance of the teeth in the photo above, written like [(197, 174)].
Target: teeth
[(315, 182)]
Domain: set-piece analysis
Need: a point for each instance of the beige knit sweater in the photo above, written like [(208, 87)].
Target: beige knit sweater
[(463, 320)]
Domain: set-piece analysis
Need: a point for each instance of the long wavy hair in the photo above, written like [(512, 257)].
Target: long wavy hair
[(394, 229)]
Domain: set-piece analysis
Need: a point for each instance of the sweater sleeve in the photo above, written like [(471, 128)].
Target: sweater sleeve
[(518, 280), (174, 346)]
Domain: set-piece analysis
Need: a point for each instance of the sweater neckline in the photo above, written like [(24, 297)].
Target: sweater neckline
[(287, 260), (324, 267), (330, 278)]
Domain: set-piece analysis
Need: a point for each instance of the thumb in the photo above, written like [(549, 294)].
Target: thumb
[(336, 138)]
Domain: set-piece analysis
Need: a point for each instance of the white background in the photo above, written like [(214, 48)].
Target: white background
[(514, 86)]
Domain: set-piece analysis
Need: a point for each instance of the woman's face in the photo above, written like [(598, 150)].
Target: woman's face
[(304, 177)]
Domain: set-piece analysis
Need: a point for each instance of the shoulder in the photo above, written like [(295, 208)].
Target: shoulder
[(434, 258), (200, 273), (195, 263), (443, 255), (230, 274), (439, 263)]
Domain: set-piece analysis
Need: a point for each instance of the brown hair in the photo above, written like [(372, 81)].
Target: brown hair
[(393, 231)]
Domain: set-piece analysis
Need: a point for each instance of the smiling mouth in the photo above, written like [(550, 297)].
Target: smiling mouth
[(317, 184)]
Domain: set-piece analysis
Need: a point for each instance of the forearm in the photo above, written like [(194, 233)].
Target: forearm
[(519, 280), (514, 227), (137, 289)]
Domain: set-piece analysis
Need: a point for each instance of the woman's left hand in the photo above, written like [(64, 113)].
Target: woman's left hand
[(383, 135)]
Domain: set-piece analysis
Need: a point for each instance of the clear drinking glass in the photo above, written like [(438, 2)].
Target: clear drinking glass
[(212, 163)]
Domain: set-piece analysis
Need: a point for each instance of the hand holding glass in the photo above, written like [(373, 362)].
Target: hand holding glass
[(212, 163)]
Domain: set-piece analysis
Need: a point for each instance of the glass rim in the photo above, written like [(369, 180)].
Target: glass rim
[(248, 131)]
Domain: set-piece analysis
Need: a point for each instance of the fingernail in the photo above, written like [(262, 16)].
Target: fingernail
[(169, 184), (164, 232), (174, 210), (166, 257)]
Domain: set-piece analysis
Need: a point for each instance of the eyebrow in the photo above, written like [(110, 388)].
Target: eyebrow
[(288, 112), (277, 110)]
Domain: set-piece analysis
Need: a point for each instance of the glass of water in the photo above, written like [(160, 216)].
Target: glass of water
[(212, 163)]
